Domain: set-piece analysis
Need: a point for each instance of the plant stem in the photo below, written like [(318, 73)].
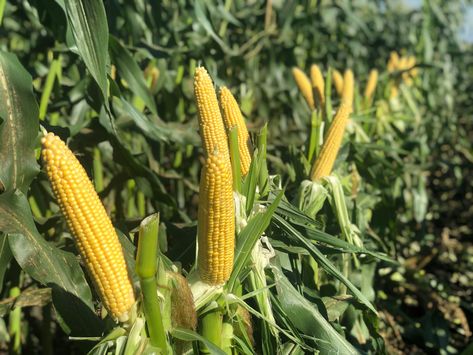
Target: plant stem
[(263, 173), (227, 334), (146, 266), (98, 170), (141, 202), (211, 324), (15, 324)]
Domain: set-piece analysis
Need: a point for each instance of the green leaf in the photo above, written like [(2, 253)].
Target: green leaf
[(54, 72), (306, 317), (18, 125), (30, 297), (5, 257), (251, 180), (2, 9), (131, 72), (199, 8), (88, 23), (311, 226), (329, 268), (189, 335), (42, 261), (156, 129), (248, 238)]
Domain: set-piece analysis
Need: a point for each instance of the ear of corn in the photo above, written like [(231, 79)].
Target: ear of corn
[(337, 81), (305, 86), (371, 84), (92, 229), (324, 163), (393, 62), (216, 224), (405, 63), (409, 62), (232, 117), (318, 83), (348, 87)]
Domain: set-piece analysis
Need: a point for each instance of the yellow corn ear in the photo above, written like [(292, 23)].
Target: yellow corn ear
[(394, 91), (92, 229), (304, 85), (411, 62), (337, 81), (348, 87), (402, 63), (408, 63), (393, 62), (324, 164), (216, 215), (371, 84), (318, 83), (232, 117)]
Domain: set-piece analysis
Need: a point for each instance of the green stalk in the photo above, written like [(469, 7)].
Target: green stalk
[(189, 150), (14, 324), (262, 149), (235, 159), (141, 202), (224, 24), (179, 74), (314, 141), (130, 206), (35, 208), (211, 324), (177, 159), (345, 271), (227, 335), (98, 170), (315, 268), (146, 267), (54, 71)]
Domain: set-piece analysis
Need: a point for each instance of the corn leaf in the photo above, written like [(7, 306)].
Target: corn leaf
[(88, 23), (189, 335), (300, 240), (42, 261), (5, 257), (248, 238), (131, 72), (18, 126), (306, 317)]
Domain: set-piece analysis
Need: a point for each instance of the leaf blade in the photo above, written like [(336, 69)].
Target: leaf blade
[(20, 126)]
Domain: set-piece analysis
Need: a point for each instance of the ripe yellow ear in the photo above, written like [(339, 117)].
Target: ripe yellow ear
[(90, 225)]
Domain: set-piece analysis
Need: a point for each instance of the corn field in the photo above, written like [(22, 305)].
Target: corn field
[(236, 177)]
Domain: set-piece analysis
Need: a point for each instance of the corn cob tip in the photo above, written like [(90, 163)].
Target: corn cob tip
[(348, 91), (232, 116), (224, 95), (201, 74), (304, 85), (338, 81), (318, 84)]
